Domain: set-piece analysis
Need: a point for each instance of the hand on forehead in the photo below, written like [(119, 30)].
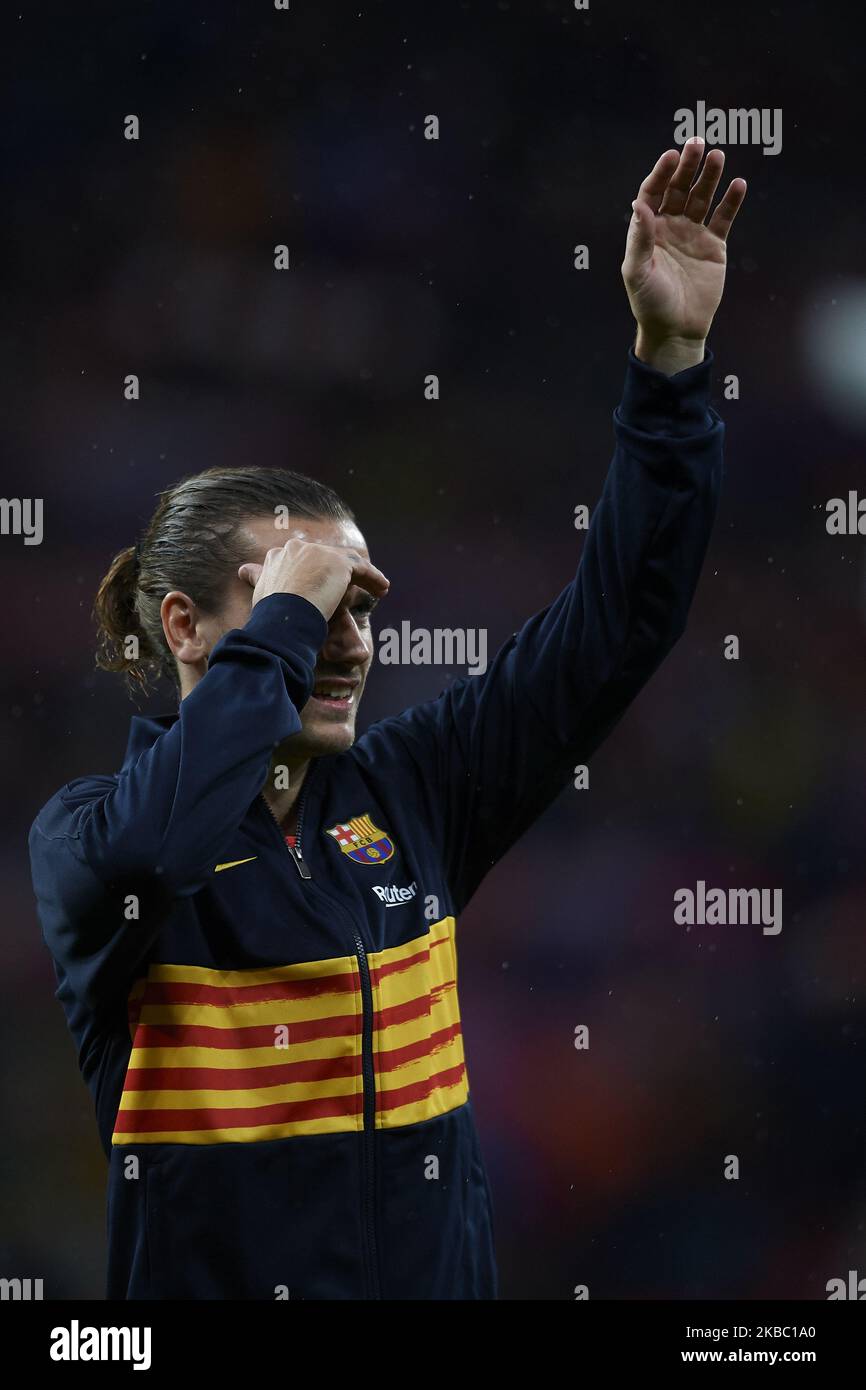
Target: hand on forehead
[(267, 532)]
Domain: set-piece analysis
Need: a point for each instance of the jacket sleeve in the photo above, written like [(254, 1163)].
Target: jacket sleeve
[(495, 749), (157, 828)]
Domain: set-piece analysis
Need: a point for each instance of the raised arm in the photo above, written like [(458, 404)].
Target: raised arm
[(494, 750)]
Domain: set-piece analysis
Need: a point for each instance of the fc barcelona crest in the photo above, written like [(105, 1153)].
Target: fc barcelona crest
[(362, 840)]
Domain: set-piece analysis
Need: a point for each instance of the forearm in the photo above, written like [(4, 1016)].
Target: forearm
[(511, 738)]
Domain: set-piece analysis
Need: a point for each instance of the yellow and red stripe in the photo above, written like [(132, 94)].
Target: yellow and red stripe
[(205, 1067)]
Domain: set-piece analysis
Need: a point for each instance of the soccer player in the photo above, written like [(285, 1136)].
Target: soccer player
[(253, 920)]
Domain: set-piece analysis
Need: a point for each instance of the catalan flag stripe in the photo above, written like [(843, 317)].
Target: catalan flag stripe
[(248, 1055)]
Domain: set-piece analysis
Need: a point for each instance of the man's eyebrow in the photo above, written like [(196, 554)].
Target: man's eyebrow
[(365, 600)]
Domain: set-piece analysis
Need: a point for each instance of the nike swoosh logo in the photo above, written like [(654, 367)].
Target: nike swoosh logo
[(234, 863)]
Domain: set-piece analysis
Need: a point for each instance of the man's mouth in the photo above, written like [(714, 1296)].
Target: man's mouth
[(336, 694)]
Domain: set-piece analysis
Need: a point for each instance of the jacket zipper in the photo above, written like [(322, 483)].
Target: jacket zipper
[(369, 1134), (367, 1069), (295, 849)]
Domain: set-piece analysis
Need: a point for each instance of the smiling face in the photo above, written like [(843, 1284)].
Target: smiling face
[(329, 716)]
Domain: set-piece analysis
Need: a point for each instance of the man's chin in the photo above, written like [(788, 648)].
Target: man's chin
[(317, 738)]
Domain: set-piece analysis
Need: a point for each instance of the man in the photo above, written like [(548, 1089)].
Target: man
[(253, 922)]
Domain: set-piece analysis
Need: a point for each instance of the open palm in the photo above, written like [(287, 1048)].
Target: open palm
[(674, 265)]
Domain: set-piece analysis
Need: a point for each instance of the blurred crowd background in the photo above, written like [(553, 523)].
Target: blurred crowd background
[(411, 256)]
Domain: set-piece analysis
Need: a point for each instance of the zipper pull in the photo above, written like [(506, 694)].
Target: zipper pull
[(295, 852)]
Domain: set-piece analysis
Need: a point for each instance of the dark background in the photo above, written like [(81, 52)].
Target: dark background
[(455, 257)]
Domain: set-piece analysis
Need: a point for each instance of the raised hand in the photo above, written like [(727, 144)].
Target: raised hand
[(674, 264)]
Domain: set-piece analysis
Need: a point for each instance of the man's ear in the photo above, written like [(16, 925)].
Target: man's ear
[(181, 623)]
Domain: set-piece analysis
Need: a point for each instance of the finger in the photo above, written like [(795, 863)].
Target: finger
[(678, 189), (722, 219), (367, 577), (640, 241), (653, 187), (704, 188), (251, 573)]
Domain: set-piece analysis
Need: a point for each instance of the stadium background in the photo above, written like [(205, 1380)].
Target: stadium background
[(455, 257)]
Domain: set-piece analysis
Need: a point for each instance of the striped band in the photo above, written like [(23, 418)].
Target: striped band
[(243, 1055)]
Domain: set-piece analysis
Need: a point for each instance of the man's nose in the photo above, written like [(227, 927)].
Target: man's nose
[(345, 641)]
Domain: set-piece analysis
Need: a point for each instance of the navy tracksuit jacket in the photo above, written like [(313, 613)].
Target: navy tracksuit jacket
[(272, 1039)]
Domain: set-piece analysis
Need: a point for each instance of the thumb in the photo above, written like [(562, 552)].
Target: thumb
[(641, 235), (251, 572)]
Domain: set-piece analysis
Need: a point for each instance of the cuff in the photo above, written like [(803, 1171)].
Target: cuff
[(289, 621), (669, 405)]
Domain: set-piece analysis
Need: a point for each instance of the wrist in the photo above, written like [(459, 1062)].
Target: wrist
[(668, 354)]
